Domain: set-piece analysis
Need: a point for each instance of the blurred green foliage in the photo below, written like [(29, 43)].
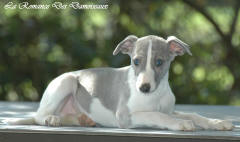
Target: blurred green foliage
[(38, 45)]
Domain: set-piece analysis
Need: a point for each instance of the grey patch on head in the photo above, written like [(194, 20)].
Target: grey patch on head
[(140, 53), (161, 51)]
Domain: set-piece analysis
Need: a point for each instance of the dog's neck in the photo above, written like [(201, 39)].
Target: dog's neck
[(139, 101), (162, 89)]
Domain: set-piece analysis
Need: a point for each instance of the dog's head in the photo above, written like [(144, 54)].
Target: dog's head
[(150, 58)]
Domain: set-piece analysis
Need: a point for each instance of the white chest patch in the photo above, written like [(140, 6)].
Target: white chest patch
[(140, 102), (102, 115)]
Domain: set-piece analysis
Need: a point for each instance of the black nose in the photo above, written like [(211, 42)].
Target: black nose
[(145, 88)]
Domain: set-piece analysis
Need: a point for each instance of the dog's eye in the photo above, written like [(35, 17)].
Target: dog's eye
[(136, 62), (159, 62)]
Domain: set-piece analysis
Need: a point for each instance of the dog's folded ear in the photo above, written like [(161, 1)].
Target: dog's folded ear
[(126, 46), (177, 47)]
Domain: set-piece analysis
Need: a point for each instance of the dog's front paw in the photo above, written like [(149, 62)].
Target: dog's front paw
[(217, 124), (184, 125), (52, 120)]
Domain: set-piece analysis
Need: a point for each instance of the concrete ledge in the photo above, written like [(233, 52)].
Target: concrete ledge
[(43, 133)]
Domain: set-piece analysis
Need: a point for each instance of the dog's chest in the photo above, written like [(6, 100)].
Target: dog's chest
[(140, 102), (161, 99)]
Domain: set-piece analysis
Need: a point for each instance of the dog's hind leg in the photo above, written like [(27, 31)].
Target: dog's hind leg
[(60, 106), (204, 122), (54, 98), (77, 120)]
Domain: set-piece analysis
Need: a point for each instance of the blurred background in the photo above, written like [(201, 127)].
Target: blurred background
[(38, 45)]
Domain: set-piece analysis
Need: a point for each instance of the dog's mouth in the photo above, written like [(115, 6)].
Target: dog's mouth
[(146, 93)]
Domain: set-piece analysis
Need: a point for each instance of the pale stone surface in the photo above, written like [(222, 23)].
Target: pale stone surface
[(26, 109)]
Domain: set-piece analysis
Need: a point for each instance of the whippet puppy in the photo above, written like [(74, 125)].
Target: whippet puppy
[(134, 96)]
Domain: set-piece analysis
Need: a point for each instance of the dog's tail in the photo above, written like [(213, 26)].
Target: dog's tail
[(20, 121)]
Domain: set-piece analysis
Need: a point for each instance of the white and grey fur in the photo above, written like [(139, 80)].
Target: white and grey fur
[(112, 97)]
